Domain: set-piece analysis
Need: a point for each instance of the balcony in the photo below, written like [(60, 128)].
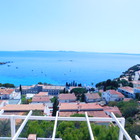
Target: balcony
[(120, 122)]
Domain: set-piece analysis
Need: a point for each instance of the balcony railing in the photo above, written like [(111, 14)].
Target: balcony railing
[(120, 122)]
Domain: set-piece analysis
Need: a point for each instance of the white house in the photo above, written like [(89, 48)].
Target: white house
[(66, 98), (40, 99), (7, 93), (112, 95)]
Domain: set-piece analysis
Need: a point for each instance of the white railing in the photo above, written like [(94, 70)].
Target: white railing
[(14, 135)]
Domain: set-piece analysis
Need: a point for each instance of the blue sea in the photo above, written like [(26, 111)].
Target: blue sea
[(31, 67)]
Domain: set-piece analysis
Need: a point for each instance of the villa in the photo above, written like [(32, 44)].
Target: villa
[(92, 97), (127, 91), (112, 95)]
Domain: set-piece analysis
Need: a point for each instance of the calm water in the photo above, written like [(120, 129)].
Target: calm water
[(30, 67)]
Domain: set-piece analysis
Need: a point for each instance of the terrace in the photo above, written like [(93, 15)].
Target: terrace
[(120, 122)]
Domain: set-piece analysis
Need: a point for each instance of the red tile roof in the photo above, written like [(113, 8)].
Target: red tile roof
[(92, 96), (6, 91), (23, 107), (129, 89), (135, 82), (115, 110), (80, 106), (127, 99), (43, 98), (66, 96), (137, 87), (114, 92)]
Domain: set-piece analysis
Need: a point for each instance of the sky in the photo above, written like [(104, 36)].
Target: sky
[(70, 25)]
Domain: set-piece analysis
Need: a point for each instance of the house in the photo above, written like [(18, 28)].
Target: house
[(92, 97), (136, 83), (115, 110), (112, 95), (127, 91), (7, 93), (35, 89), (53, 90), (66, 98), (40, 99), (28, 89), (22, 108), (93, 109)]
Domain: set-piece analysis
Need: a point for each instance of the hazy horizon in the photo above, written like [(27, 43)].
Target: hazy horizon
[(69, 51)]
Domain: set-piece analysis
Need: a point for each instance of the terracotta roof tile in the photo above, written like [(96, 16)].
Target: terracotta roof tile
[(93, 96), (129, 89), (114, 92), (6, 91), (67, 96), (40, 99), (23, 107), (81, 106), (115, 110)]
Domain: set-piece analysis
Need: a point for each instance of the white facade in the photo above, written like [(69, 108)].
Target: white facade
[(128, 93), (67, 100), (107, 96)]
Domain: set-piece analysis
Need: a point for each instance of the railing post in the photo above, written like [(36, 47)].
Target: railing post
[(120, 132), (136, 137), (55, 126), (13, 125)]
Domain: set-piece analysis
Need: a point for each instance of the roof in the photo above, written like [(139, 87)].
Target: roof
[(137, 87), (135, 82), (79, 106), (127, 99), (66, 96), (26, 87), (114, 92), (92, 96), (90, 113), (115, 110), (1, 101), (42, 93), (128, 89), (37, 98), (54, 87), (23, 107), (6, 91)]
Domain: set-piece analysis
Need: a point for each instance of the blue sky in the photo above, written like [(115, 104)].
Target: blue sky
[(70, 25)]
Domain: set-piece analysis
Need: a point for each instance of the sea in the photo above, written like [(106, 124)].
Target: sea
[(59, 67)]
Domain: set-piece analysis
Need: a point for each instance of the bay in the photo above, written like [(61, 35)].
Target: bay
[(31, 67)]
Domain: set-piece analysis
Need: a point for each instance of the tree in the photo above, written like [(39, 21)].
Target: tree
[(79, 92), (137, 96), (40, 83), (20, 89), (5, 128), (55, 106)]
